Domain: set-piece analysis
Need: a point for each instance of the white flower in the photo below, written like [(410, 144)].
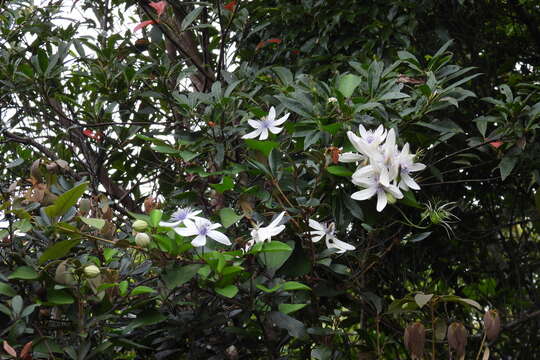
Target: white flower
[(375, 180), (202, 228), (268, 123), (328, 232), (332, 100), (372, 137), (182, 216), (261, 234), (407, 166)]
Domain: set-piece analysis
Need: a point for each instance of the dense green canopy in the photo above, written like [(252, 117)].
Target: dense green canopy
[(116, 111)]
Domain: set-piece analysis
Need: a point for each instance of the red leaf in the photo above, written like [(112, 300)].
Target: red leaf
[(496, 144), (92, 134), (269, 41), (230, 6), (11, 351), (25, 352), (159, 7), (144, 24)]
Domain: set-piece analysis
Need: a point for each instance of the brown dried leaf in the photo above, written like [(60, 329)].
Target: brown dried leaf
[(11, 351)]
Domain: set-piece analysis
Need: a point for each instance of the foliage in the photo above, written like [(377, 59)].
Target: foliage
[(140, 222)]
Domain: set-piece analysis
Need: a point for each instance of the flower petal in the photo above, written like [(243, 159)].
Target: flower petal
[(381, 200), (316, 225), (143, 24), (158, 6), (342, 245), (170, 224), (264, 134), (275, 129), (316, 238), (255, 123), (281, 120), (364, 194), (272, 114), (407, 179), (252, 134), (199, 241), (350, 157), (186, 231), (219, 237)]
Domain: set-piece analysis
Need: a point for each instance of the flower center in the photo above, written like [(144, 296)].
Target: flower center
[(266, 123), (203, 230), (180, 215)]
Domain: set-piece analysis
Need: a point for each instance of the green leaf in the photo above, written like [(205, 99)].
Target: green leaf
[(228, 291), (155, 217), (191, 17), (506, 165), (93, 222), (7, 290), (290, 308), (274, 246), (274, 256), (24, 273), (294, 285), (59, 297), (187, 155), (164, 149), (422, 299), (142, 290), (58, 250), (123, 288), (228, 217), (225, 184), (65, 201), (339, 171), (178, 276), (263, 146), (294, 327), (348, 83)]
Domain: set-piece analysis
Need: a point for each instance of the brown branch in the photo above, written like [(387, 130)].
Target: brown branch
[(94, 164)]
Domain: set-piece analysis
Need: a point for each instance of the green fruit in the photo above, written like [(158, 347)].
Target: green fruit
[(140, 225), (142, 239), (91, 271)]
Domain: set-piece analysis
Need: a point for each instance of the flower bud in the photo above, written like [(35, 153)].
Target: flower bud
[(390, 198), (140, 225), (85, 206), (457, 338), (492, 324), (142, 239), (64, 274), (415, 338), (91, 271)]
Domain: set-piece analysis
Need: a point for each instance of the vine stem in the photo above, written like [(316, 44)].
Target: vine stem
[(481, 346), (432, 307)]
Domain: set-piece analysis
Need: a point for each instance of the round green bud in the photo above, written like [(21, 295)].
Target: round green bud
[(91, 271), (140, 225), (391, 199), (142, 239)]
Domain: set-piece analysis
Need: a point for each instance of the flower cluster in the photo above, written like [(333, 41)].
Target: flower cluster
[(384, 169), (196, 226)]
